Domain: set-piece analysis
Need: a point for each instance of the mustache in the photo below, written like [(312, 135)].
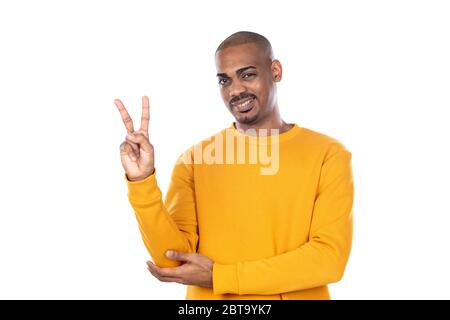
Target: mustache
[(241, 96)]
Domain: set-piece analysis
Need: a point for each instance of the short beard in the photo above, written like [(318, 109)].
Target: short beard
[(248, 120)]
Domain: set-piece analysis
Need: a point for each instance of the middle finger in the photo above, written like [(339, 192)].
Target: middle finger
[(125, 116)]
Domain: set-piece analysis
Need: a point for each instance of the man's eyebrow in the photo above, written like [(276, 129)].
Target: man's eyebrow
[(238, 72)]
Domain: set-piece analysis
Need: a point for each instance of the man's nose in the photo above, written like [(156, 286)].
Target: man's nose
[(236, 89)]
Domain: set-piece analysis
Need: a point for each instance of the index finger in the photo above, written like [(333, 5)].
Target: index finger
[(166, 272), (125, 116), (145, 114)]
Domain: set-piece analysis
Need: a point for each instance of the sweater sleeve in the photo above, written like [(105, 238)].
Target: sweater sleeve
[(319, 261), (171, 224)]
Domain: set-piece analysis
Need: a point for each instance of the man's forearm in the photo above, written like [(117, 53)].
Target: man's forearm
[(158, 229)]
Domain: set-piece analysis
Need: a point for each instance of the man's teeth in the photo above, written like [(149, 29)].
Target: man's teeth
[(244, 104)]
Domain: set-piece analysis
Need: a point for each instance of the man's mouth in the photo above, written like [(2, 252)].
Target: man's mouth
[(244, 105)]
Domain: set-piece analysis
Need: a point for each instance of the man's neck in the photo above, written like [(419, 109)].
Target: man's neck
[(275, 123)]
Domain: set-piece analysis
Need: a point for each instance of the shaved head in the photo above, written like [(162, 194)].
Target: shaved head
[(247, 76), (246, 37)]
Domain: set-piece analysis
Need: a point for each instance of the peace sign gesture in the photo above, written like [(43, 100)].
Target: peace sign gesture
[(136, 152)]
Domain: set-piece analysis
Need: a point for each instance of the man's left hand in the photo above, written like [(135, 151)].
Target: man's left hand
[(196, 269)]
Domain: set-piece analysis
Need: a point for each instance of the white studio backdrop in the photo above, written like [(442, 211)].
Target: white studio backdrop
[(373, 74)]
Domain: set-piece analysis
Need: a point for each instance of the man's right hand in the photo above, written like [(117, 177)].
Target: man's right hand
[(136, 152)]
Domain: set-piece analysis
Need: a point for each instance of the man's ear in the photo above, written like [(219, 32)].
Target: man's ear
[(277, 70)]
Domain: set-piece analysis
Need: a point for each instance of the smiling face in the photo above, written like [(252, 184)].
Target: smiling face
[(247, 77)]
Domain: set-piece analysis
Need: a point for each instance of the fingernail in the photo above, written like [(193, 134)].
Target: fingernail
[(169, 253)]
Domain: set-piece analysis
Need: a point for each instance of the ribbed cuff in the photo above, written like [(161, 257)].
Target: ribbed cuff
[(225, 279), (143, 191)]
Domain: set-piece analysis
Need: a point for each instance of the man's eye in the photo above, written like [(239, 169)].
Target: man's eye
[(247, 75), (222, 81)]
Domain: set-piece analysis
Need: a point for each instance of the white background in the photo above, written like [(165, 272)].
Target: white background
[(373, 74)]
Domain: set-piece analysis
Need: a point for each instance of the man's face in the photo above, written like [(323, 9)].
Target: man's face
[(247, 79)]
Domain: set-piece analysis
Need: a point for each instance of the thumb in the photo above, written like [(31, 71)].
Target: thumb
[(140, 139), (180, 256)]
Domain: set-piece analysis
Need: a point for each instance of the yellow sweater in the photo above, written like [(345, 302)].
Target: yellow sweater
[(272, 236)]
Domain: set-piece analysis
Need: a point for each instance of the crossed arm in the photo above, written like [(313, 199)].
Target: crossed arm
[(173, 226)]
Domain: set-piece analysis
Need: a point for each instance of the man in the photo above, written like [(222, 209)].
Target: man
[(227, 228)]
